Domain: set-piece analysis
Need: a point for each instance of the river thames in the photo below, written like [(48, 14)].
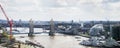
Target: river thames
[(58, 41)]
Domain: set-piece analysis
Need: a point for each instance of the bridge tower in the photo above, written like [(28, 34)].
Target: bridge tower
[(31, 28), (52, 29)]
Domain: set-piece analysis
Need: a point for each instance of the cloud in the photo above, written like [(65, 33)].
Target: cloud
[(62, 9)]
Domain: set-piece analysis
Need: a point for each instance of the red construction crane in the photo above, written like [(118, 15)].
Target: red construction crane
[(10, 22)]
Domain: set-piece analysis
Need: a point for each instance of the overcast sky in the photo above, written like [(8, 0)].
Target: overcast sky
[(61, 10)]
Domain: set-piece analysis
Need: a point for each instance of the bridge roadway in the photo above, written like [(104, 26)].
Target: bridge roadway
[(14, 33)]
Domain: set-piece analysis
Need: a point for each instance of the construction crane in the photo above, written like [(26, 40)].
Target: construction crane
[(10, 22)]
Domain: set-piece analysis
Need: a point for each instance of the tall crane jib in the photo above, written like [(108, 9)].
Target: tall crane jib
[(8, 20)]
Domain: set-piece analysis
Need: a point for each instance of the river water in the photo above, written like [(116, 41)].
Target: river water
[(58, 41)]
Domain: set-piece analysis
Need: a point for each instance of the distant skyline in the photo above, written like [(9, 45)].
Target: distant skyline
[(61, 10)]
